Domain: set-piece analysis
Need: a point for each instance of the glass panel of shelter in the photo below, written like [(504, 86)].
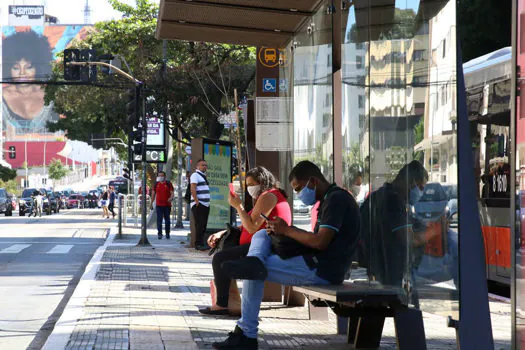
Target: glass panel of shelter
[(313, 105), (399, 93)]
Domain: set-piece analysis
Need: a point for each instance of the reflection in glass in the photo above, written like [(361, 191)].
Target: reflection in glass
[(399, 108)]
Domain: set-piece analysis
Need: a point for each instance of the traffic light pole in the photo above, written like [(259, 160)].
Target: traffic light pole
[(143, 224), (139, 87)]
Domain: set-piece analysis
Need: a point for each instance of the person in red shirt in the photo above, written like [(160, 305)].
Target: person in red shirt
[(162, 196), (268, 200)]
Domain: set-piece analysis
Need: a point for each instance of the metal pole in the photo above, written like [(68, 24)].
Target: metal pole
[(143, 224), (25, 152), (179, 223), (120, 203)]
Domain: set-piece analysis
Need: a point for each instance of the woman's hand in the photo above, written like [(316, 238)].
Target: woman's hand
[(214, 238), (235, 202)]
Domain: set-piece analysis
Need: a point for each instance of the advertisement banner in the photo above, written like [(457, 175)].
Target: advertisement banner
[(156, 136), (26, 15), (219, 175), (27, 55)]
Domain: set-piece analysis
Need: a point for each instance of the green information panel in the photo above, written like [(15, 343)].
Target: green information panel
[(219, 175)]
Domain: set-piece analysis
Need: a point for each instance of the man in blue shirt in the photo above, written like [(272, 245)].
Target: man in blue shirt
[(323, 256)]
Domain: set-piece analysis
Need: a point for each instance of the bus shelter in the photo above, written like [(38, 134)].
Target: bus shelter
[(363, 88)]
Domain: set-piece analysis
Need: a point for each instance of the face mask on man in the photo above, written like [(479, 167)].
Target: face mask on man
[(415, 195), (160, 178), (307, 195), (254, 191)]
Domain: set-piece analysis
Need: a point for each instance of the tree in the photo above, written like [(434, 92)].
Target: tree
[(10, 187), (57, 170), (7, 174), (193, 81)]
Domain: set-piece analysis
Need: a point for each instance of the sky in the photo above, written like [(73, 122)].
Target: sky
[(67, 11)]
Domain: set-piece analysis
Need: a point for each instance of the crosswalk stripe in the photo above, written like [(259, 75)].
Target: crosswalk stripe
[(15, 248), (61, 249)]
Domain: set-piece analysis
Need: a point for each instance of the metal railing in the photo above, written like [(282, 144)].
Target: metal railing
[(131, 206)]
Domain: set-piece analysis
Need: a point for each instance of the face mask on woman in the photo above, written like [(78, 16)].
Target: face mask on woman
[(254, 191), (160, 178)]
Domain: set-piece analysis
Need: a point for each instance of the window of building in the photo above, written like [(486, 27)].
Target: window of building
[(361, 101), (418, 55), (359, 62)]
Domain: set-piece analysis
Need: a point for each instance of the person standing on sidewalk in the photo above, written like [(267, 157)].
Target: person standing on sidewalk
[(162, 195), (104, 204), (112, 196), (200, 205)]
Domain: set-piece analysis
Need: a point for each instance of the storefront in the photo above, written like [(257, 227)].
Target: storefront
[(371, 86)]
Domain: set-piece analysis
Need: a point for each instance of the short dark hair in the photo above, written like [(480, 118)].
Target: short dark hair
[(201, 160), (412, 172), (304, 170), (161, 172), (30, 46)]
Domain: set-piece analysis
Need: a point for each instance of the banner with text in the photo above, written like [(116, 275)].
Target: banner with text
[(219, 174)]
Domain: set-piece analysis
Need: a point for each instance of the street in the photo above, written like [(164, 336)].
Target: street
[(41, 260)]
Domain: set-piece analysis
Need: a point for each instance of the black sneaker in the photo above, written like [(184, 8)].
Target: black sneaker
[(167, 235), (249, 268), (237, 340), (159, 235)]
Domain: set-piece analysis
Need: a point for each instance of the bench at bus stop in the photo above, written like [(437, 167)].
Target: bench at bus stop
[(365, 306)]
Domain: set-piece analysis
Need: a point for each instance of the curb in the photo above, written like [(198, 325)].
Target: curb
[(65, 325)]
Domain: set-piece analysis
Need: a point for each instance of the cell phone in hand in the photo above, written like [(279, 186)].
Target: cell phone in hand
[(264, 217), (232, 191)]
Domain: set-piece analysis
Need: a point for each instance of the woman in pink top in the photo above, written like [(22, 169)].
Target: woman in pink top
[(268, 200)]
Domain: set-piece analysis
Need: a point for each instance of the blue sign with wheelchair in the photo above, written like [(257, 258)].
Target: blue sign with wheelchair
[(269, 85)]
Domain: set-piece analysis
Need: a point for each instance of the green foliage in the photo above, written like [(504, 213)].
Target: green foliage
[(476, 37), (10, 186), (57, 170), (196, 81), (7, 174)]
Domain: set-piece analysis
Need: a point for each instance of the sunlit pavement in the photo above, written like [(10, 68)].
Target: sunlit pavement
[(145, 298), (41, 260)]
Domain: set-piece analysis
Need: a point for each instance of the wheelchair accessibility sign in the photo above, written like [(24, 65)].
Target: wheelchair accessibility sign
[(269, 85)]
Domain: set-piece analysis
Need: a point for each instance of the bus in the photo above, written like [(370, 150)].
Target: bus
[(488, 83), (120, 185)]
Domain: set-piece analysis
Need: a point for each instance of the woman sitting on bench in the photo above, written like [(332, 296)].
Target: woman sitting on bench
[(268, 200)]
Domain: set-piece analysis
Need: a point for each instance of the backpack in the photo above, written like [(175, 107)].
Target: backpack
[(187, 195)]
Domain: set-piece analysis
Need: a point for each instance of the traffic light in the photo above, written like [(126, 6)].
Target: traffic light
[(126, 173), (137, 140), (71, 72), (12, 152), (88, 73), (132, 104)]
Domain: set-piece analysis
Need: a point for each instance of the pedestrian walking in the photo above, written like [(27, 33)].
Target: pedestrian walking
[(200, 205), (162, 195), (112, 197), (104, 204)]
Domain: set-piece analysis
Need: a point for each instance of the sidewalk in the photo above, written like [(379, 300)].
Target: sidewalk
[(147, 298)]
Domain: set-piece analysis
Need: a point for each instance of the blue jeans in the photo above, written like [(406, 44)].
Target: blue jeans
[(163, 212), (292, 272)]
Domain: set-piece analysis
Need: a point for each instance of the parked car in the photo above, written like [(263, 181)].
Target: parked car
[(54, 202), (74, 201), (300, 207), (6, 206), (25, 201), (434, 210)]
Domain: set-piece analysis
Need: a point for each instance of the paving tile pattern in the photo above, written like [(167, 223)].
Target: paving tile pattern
[(146, 298)]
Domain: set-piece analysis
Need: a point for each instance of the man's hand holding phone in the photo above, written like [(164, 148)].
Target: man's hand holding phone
[(276, 225)]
